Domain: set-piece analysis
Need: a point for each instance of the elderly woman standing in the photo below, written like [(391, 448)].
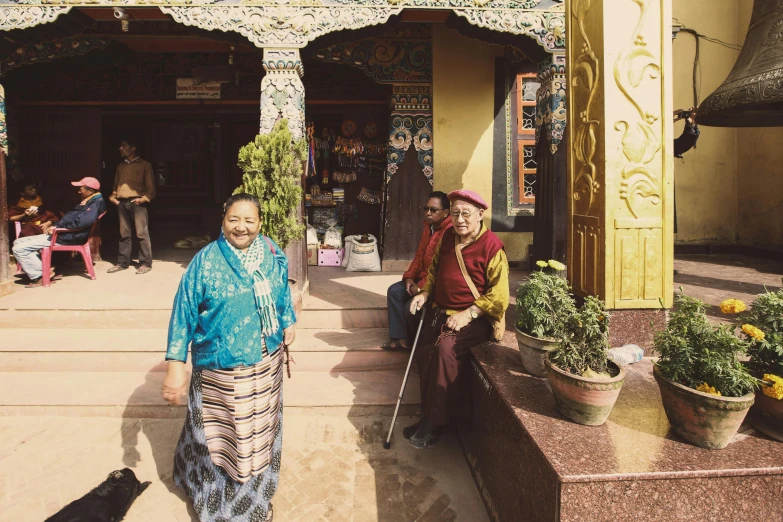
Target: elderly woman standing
[(234, 309), (461, 316)]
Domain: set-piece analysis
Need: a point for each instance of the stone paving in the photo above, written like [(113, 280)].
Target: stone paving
[(334, 469)]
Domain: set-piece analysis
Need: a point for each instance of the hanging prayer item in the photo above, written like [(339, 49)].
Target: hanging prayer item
[(348, 128), (325, 177), (370, 130), (371, 197)]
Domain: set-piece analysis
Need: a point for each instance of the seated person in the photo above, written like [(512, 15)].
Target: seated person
[(29, 210), (436, 222), (27, 249), (456, 320)]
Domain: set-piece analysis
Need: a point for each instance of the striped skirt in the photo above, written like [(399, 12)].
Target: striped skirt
[(228, 456)]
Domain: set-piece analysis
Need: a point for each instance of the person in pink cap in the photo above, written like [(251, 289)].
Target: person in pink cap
[(467, 287), (27, 250)]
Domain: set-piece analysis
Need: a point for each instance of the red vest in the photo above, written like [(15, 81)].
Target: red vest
[(451, 290)]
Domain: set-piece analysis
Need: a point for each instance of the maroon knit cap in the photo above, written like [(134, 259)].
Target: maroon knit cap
[(469, 196)]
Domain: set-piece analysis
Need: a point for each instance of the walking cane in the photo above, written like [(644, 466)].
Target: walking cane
[(387, 444)]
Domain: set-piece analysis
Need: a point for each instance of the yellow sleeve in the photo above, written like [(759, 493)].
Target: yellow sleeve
[(494, 302), (432, 273)]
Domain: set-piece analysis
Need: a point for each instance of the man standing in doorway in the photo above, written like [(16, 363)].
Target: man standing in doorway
[(134, 188)]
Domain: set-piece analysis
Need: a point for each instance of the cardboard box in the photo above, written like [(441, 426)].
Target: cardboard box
[(330, 257), (312, 255)]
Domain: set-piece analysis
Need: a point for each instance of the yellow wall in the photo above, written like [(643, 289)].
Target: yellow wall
[(706, 177), (463, 114), (760, 185)]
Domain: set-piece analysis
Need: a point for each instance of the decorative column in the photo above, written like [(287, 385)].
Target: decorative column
[(620, 158), (550, 232), (283, 96), (6, 284), (282, 91)]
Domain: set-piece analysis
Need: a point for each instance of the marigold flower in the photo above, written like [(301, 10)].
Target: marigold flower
[(752, 331), (706, 388), (556, 265), (774, 387), (732, 306), (542, 264)]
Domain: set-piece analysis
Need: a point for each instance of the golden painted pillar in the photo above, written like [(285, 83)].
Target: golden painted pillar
[(620, 163)]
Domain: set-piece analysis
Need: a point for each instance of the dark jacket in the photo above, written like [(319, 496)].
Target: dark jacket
[(78, 217)]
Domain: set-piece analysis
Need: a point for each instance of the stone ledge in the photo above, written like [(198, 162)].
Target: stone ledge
[(529, 463)]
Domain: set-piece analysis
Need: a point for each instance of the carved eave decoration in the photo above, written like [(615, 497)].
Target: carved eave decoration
[(292, 24)]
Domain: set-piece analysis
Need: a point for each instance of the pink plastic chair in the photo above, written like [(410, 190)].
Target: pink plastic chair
[(46, 253), (18, 228)]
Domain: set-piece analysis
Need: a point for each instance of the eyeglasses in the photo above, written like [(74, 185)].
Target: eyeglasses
[(465, 214), (427, 209)]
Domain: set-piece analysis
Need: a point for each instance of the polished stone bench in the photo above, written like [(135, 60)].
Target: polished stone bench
[(530, 464)]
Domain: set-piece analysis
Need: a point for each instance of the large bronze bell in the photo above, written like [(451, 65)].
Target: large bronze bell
[(752, 95)]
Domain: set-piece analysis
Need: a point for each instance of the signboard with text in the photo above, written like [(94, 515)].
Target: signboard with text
[(188, 89)]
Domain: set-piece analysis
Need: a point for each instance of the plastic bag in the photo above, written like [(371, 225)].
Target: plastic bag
[(364, 256), (347, 252), (312, 235), (333, 238)]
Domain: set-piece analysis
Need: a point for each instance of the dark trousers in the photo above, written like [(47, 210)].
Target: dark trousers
[(134, 217), (397, 306), (443, 358)]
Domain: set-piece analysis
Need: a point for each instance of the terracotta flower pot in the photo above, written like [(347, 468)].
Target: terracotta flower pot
[(533, 351), (703, 419), (766, 415), (582, 400)]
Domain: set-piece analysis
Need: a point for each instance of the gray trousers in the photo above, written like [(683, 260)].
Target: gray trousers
[(134, 217), (397, 306)]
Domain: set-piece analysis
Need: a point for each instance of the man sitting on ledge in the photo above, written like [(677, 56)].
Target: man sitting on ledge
[(457, 320), (436, 223)]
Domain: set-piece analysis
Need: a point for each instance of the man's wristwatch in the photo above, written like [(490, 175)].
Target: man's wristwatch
[(473, 313)]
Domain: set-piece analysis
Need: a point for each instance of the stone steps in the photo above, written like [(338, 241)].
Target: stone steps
[(137, 394), (147, 319), (104, 350)]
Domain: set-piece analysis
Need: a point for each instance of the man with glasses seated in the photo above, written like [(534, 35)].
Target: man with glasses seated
[(458, 316), (436, 212)]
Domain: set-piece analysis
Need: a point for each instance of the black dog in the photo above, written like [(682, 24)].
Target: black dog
[(107, 503)]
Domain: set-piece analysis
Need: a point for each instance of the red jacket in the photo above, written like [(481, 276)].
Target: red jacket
[(427, 245)]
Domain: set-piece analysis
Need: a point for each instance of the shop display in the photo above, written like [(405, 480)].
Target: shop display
[(346, 169)]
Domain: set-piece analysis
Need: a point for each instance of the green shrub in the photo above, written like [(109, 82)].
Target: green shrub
[(272, 171), (584, 342), (696, 354), (543, 304)]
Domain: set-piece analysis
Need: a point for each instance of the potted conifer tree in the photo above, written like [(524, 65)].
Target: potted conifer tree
[(544, 301), (584, 382), (272, 171), (705, 389)]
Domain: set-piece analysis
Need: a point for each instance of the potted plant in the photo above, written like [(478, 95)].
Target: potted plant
[(543, 303), (763, 329), (272, 171), (705, 389), (584, 382)]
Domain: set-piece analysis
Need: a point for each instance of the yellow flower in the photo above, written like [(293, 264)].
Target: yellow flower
[(556, 265), (752, 331), (732, 306), (706, 388), (542, 264), (774, 387)]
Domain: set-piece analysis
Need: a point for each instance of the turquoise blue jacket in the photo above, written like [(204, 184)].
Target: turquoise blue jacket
[(215, 310)]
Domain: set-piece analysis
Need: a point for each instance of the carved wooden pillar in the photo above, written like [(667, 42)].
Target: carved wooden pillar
[(283, 96), (550, 233), (620, 158), (5, 272), (282, 91)]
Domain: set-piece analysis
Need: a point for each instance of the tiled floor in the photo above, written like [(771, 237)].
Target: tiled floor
[(334, 469)]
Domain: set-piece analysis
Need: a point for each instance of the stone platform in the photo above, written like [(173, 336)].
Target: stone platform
[(531, 464)]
